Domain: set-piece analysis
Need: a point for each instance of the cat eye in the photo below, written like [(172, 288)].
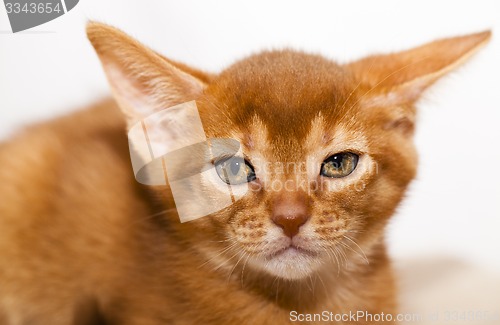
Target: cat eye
[(339, 165), (235, 170)]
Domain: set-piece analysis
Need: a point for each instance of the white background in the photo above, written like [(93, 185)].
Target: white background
[(452, 209)]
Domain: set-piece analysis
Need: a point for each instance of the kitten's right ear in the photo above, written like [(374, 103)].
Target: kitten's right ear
[(142, 81), (394, 82), (400, 78)]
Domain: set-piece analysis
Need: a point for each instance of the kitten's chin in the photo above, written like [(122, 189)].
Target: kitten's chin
[(290, 263)]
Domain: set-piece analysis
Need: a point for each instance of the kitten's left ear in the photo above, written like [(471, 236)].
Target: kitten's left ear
[(143, 82), (400, 78)]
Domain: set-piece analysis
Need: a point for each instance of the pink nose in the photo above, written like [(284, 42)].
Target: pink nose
[(290, 212)]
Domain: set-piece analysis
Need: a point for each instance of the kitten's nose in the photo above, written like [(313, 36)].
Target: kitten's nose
[(290, 212)]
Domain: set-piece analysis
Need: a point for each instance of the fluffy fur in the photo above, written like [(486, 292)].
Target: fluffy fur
[(82, 242)]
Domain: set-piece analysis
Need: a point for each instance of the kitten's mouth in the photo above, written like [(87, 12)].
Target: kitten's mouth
[(291, 262), (291, 251)]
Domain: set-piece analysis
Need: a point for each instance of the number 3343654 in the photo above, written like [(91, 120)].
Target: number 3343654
[(32, 8)]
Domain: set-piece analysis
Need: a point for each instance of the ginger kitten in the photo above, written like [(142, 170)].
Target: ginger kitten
[(81, 242)]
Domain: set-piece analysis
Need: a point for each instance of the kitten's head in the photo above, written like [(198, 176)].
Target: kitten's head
[(326, 150)]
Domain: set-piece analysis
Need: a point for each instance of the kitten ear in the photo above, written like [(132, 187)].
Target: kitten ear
[(143, 82), (400, 78)]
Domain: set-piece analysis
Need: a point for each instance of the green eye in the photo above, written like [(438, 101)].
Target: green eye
[(235, 170), (339, 165)]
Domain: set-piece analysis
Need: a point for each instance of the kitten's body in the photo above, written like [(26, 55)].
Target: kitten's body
[(82, 241), (77, 227)]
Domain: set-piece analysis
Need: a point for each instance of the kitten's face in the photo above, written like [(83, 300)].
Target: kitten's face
[(324, 173), (326, 150)]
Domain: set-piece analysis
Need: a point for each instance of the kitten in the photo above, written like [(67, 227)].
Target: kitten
[(82, 242)]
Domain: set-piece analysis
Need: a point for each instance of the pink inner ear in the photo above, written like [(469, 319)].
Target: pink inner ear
[(404, 124), (131, 98), (248, 141), (404, 94)]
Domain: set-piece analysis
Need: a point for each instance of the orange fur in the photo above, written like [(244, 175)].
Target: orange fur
[(82, 242)]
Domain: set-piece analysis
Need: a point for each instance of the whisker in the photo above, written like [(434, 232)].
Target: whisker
[(277, 289), (161, 212), (343, 258), (220, 265), (307, 283), (345, 245), (234, 267), (224, 250), (221, 241), (344, 254), (148, 217), (243, 269), (354, 242), (336, 259), (327, 293), (333, 256)]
